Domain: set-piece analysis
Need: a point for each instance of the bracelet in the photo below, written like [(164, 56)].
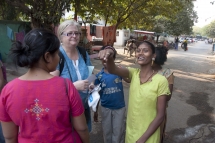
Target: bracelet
[(109, 47)]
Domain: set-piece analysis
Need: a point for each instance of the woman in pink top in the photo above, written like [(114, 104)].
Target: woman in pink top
[(38, 107)]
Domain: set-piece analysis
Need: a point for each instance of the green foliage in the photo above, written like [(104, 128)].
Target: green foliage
[(85, 10), (150, 17), (197, 30), (183, 22), (209, 30), (136, 14), (212, 2), (43, 13), (155, 15), (115, 11), (7, 12)]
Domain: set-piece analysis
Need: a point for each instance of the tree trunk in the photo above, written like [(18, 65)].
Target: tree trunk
[(106, 19), (76, 15), (77, 6), (36, 23), (157, 38)]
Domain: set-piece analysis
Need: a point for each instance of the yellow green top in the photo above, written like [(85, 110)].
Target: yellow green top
[(142, 105)]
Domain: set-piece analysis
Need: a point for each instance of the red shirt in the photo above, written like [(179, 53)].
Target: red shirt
[(42, 109)]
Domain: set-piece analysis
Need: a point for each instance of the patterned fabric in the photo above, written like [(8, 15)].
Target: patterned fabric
[(142, 106), (111, 94), (166, 72), (41, 109), (109, 34), (37, 110)]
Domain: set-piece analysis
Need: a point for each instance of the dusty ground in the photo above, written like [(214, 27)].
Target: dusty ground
[(191, 117)]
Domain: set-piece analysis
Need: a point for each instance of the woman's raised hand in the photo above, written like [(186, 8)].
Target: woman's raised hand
[(105, 54)]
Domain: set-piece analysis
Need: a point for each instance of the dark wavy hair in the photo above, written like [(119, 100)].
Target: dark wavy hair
[(35, 44), (149, 44), (161, 55)]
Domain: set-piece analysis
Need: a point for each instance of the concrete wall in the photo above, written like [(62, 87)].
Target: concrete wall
[(121, 36)]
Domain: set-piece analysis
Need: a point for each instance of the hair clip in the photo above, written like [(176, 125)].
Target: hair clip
[(40, 33)]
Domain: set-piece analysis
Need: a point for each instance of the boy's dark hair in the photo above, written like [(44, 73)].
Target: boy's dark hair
[(161, 55), (35, 44), (114, 55)]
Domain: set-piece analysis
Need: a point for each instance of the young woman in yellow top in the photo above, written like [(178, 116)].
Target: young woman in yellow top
[(147, 96)]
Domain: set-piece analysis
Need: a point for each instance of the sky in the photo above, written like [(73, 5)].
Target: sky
[(205, 11)]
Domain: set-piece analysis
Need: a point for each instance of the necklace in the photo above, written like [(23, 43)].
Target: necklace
[(147, 78)]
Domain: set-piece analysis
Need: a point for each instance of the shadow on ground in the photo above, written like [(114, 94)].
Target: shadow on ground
[(201, 127)]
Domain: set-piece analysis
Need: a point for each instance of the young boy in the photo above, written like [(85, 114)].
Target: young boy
[(112, 106)]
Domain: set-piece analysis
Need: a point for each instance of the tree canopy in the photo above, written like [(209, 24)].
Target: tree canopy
[(209, 30), (7, 12), (139, 13), (42, 13), (173, 16), (184, 20)]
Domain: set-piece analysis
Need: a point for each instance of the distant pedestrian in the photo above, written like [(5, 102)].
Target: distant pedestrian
[(112, 105), (176, 43), (127, 46), (147, 96), (161, 57), (3, 81), (184, 44), (37, 106)]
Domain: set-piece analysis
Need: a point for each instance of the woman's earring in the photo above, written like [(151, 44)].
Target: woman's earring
[(153, 59), (61, 43)]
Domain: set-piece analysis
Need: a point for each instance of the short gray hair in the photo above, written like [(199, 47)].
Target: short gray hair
[(65, 24)]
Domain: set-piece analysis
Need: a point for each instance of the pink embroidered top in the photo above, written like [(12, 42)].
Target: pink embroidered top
[(42, 109)]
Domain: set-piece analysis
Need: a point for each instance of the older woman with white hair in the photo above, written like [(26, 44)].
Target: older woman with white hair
[(76, 62)]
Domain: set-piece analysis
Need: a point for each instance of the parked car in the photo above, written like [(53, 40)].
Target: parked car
[(181, 39), (195, 40), (189, 40)]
